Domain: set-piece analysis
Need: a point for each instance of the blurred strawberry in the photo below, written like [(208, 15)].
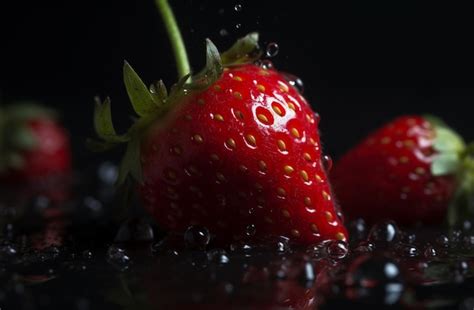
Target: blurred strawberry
[(32, 144), (410, 171)]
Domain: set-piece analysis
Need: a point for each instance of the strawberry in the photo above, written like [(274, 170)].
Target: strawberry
[(32, 145), (410, 171), (234, 148)]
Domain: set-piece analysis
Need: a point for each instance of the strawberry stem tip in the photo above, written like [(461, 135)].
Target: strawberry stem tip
[(176, 40)]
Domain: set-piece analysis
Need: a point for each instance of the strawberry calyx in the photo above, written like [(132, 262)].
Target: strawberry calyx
[(16, 137), (454, 157), (151, 104)]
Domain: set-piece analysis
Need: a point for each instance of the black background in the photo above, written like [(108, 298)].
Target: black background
[(362, 63)]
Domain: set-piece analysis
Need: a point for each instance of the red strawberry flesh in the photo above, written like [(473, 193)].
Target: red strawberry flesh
[(246, 151)]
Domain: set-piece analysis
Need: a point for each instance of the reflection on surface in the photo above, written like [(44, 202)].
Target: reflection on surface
[(69, 254)]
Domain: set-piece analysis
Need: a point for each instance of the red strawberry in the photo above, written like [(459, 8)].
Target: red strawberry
[(246, 153), (236, 149), (407, 171), (32, 145)]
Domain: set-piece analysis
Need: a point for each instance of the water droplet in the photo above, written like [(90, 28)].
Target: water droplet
[(163, 247), (117, 257), (384, 234), (409, 238), (407, 250), (327, 163), (197, 237), (430, 251), (357, 230), (364, 247), (443, 241), (272, 49), (374, 279), (108, 173), (265, 64), (461, 267), (294, 81), (317, 117), (316, 251), (468, 242), (87, 254), (218, 256), (241, 247), (223, 32), (226, 288), (337, 249), (308, 275), (238, 7), (455, 236), (7, 252), (467, 225), (93, 206), (250, 230), (282, 244)]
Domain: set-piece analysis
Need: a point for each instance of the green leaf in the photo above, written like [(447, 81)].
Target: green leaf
[(131, 163), (143, 101), (103, 122), (177, 89), (211, 72), (446, 164), (245, 50), (448, 141), (159, 92)]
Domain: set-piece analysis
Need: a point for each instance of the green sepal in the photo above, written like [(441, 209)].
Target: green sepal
[(211, 72), (445, 164), (159, 92), (448, 141), (449, 147), (142, 100), (245, 50), (103, 123), (152, 103), (177, 90)]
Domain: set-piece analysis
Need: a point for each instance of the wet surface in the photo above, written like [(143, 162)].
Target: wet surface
[(70, 253)]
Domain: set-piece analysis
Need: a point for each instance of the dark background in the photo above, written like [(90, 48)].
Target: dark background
[(362, 63)]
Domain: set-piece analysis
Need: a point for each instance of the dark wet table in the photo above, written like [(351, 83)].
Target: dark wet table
[(72, 253)]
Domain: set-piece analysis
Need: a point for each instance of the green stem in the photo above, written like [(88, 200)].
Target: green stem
[(175, 37)]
